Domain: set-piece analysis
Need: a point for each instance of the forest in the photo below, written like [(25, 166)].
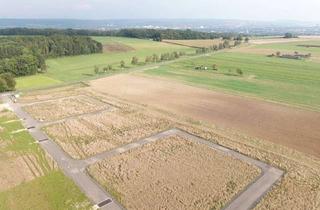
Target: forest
[(25, 55), (155, 34)]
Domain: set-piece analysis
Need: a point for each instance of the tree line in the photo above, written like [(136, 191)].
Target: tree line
[(25, 55), (155, 34)]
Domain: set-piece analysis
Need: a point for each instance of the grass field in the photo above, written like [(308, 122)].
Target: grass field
[(76, 68), (53, 191), (35, 81), (290, 81), (293, 46), (30, 180)]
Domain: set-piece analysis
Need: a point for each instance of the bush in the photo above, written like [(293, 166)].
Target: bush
[(239, 72), (3, 85), (96, 70), (134, 60), (122, 64), (10, 81)]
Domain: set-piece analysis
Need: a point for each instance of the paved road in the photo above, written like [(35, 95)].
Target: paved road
[(76, 169)]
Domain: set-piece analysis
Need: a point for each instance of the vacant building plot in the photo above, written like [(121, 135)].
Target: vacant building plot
[(64, 107), (173, 173), (49, 94), (28, 176), (93, 134)]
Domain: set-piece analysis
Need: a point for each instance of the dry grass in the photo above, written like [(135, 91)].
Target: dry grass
[(173, 173), (48, 94), (64, 107), (97, 133)]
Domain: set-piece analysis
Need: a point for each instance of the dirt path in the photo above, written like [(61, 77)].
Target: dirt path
[(288, 126)]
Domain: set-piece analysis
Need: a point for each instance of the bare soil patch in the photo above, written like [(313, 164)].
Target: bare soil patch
[(198, 43), (117, 47), (173, 173), (284, 125), (64, 107), (90, 135)]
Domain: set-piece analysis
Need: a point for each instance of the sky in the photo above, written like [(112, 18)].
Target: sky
[(306, 10)]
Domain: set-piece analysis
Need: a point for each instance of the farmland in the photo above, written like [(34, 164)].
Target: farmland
[(31, 179), (76, 68), (287, 81)]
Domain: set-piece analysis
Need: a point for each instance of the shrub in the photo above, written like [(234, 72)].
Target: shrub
[(10, 81), (239, 72), (96, 70), (122, 64), (3, 85), (134, 60)]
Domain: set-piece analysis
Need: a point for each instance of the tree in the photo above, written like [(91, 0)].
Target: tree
[(148, 59), (122, 64), (155, 58), (96, 69), (214, 67), (3, 85), (239, 72), (134, 60), (10, 81), (247, 40), (289, 36)]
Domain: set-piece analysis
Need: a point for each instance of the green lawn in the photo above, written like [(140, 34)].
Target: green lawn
[(76, 68), (51, 191), (294, 82), (35, 81)]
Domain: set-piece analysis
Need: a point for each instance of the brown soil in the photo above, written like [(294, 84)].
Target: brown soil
[(173, 173), (288, 126), (64, 107), (196, 43), (116, 47), (101, 132)]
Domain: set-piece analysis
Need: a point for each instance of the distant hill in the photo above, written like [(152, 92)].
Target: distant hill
[(212, 25)]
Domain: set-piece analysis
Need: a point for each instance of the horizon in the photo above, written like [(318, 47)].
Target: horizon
[(249, 10)]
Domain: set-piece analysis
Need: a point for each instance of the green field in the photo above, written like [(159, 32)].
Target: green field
[(35, 81), (293, 46), (294, 82), (76, 68), (52, 190)]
